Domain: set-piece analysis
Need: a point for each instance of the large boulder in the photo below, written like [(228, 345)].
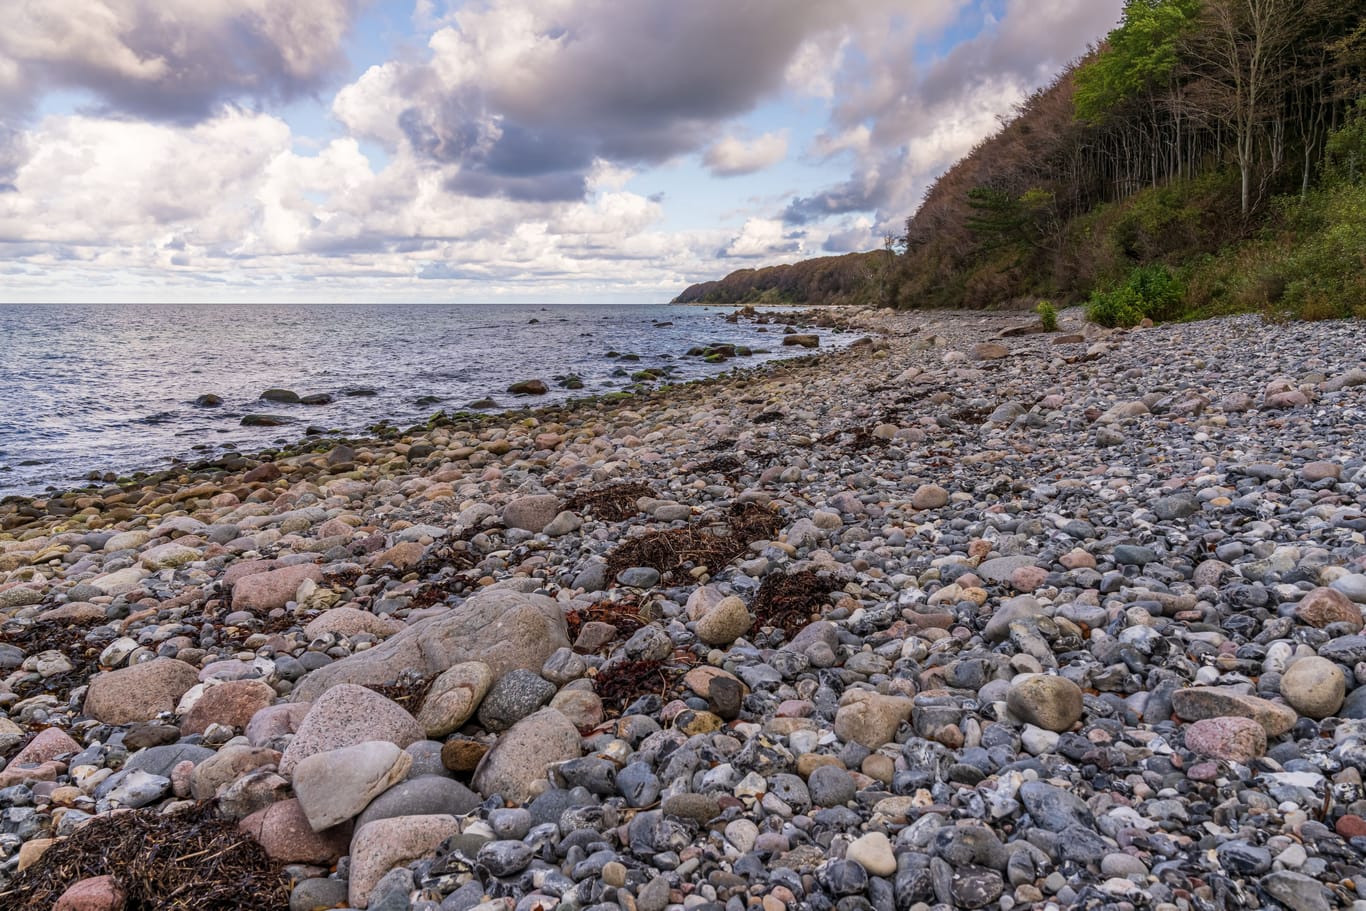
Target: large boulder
[(871, 719), (1202, 702), (335, 786), (221, 769), (531, 513), (47, 744), (262, 592), (347, 715), (524, 754), (1314, 687), (1230, 738), (283, 830), (1052, 703), (384, 844), (140, 692), (97, 893), (424, 795), (453, 697), (504, 629), (232, 703)]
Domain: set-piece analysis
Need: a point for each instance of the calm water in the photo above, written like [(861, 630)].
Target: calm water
[(111, 387)]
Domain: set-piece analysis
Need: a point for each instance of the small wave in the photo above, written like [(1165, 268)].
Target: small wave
[(161, 417)]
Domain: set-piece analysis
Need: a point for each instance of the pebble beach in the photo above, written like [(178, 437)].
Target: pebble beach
[(962, 615)]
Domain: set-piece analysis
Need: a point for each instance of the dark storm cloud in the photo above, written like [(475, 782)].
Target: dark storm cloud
[(506, 159), (141, 58), (853, 240), (631, 83), (850, 196), (483, 183)]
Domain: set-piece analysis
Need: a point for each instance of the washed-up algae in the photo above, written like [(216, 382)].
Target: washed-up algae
[(613, 502), (186, 861), (710, 544), (790, 601)]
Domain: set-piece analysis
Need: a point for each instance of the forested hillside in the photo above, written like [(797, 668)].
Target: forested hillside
[(1208, 156), (1209, 147), (851, 278)]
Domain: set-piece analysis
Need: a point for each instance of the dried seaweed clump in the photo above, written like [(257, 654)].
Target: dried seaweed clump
[(788, 602), (451, 552), (624, 615), (860, 439), (613, 503), (187, 861), (620, 684), (727, 465), (49, 636), (712, 545), (409, 690)]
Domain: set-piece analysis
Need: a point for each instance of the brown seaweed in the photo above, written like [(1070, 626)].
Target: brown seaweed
[(186, 861), (710, 544), (790, 602)]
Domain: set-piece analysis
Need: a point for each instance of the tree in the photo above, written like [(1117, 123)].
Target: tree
[(1240, 48), (997, 219), (881, 272), (1139, 56)]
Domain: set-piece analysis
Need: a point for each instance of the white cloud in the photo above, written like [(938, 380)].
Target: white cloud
[(99, 182), (760, 238), (366, 107), (857, 139), (813, 67), (612, 214), (732, 157)]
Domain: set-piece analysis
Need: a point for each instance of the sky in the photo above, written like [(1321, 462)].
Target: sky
[(486, 150)]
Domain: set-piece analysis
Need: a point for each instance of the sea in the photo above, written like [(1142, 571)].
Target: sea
[(90, 391)]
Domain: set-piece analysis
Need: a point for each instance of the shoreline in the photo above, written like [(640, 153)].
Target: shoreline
[(172, 464), (964, 615)]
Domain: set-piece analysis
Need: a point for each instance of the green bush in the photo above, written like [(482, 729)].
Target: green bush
[(1325, 271), (1151, 292), (1158, 290), (1345, 152), (1119, 307), (1048, 316)]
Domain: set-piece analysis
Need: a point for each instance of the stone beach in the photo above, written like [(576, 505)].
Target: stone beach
[(993, 618)]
